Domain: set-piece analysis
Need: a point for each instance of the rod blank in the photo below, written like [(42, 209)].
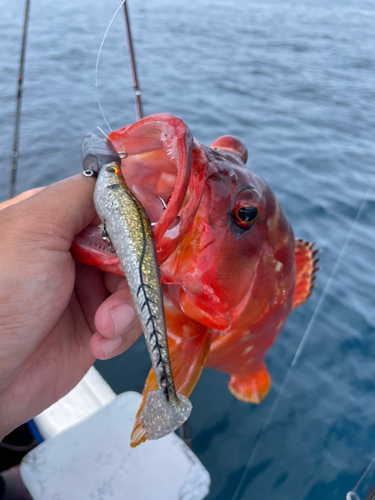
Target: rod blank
[(13, 171), (135, 84)]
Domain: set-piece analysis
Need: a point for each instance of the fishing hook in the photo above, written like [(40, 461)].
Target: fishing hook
[(153, 224), (106, 238)]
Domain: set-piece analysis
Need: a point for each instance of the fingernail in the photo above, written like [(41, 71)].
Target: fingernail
[(111, 345), (122, 317)]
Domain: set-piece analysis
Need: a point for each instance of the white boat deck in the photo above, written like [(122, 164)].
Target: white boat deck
[(86, 454)]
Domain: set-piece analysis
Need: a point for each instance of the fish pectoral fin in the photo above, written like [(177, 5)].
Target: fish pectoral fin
[(188, 357), (251, 387), (306, 268)]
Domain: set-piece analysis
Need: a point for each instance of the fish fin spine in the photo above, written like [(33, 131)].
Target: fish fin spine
[(306, 268)]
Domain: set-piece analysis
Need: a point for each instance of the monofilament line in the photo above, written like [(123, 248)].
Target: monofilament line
[(363, 476), (97, 63), (301, 345), (102, 131)]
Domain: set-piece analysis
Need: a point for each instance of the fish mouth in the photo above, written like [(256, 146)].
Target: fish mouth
[(156, 163)]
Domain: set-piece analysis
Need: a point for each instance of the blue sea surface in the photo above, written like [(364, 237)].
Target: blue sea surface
[(295, 81)]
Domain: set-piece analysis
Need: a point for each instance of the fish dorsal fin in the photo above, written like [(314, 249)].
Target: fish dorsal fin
[(305, 261)]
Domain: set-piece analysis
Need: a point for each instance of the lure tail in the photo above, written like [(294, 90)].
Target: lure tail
[(188, 356), (160, 418)]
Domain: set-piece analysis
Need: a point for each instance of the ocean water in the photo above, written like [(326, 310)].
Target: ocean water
[(295, 81)]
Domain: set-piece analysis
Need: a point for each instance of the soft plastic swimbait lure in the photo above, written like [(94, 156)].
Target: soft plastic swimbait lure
[(126, 224)]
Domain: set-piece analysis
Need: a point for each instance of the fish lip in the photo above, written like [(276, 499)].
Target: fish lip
[(176, 219), (171, 135)]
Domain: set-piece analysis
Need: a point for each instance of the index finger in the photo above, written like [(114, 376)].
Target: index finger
[(20, 197), (56, 213)]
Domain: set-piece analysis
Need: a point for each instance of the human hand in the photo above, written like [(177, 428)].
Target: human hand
[(56, 315)]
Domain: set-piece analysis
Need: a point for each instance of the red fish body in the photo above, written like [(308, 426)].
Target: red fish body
[(230, 267)]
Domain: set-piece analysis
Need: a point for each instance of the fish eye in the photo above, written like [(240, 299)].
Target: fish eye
[(113, 170), (245, 214)]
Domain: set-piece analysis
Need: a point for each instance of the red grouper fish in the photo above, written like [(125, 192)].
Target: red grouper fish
[(231, 269)]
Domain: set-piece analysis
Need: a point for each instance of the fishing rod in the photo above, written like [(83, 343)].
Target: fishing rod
[(133, 68), (13, 171)]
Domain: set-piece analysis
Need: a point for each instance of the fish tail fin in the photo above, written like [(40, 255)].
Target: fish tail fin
[(188, 356), (305, 261), (251, 388), (160, 418)]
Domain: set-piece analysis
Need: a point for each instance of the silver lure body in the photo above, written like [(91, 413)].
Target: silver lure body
[(127, 225)]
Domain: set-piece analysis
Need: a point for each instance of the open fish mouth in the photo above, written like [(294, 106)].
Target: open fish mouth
[(156, 163)]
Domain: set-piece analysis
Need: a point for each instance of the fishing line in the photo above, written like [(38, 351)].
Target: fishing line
[(102, 131), (97, 63), (352, 494), (301, 345)]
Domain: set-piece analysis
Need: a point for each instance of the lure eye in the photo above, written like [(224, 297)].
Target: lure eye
[(113, 170), (245, 214)]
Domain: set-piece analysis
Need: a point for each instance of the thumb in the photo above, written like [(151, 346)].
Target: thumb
[(59, 212)]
